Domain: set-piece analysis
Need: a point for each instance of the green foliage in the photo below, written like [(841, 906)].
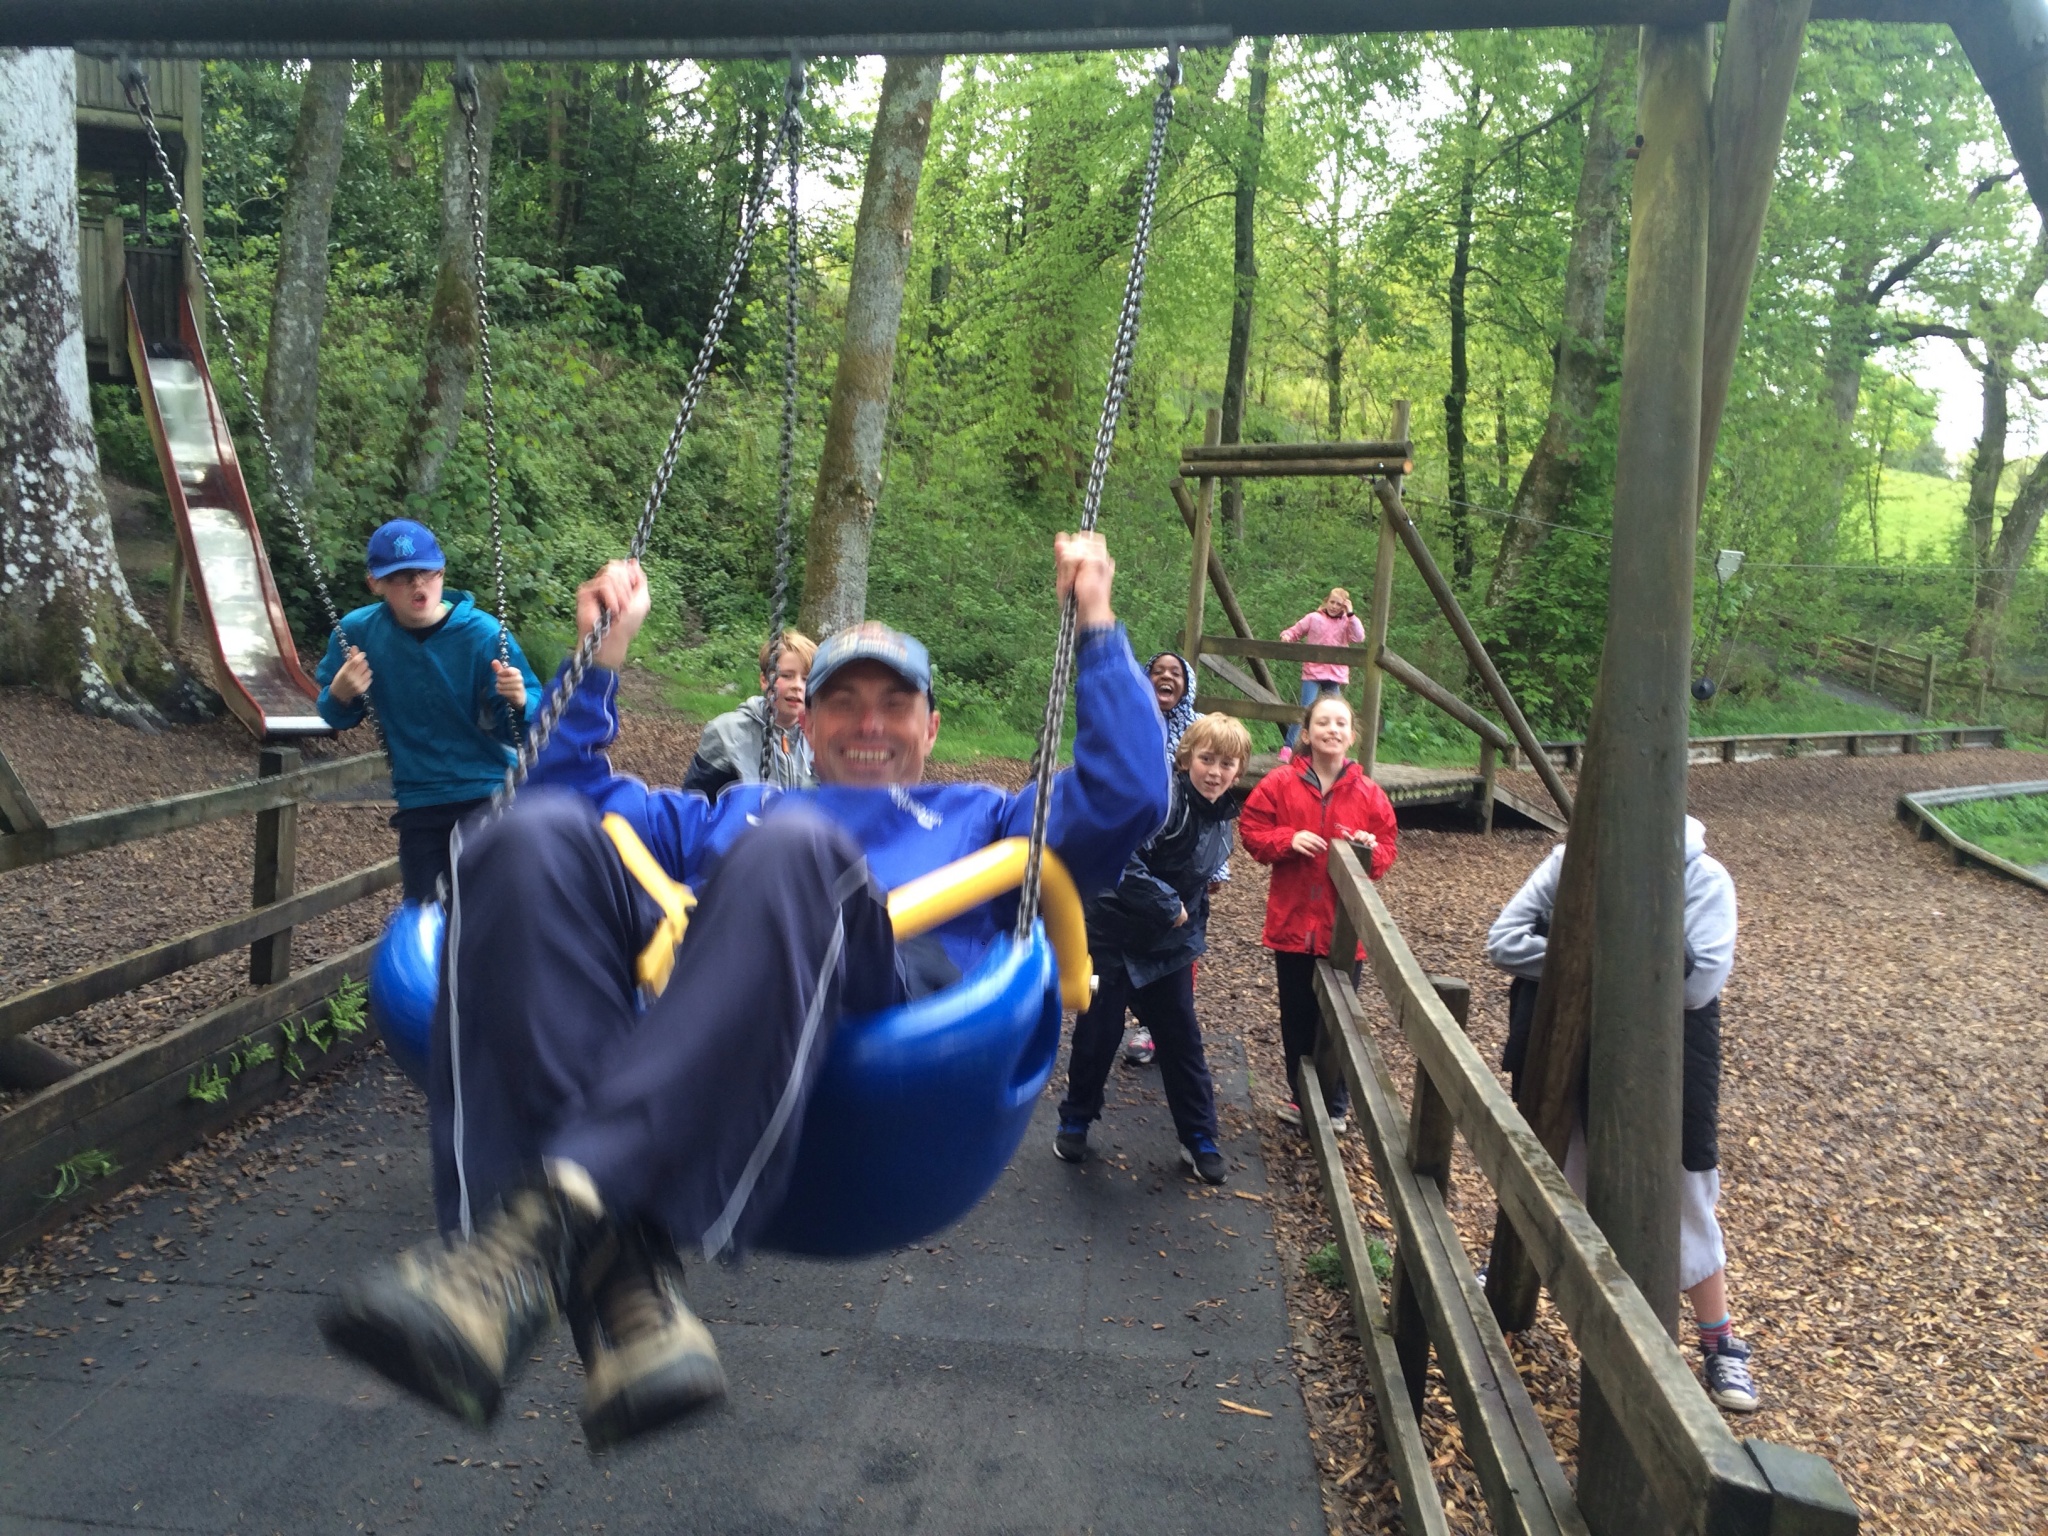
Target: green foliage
[(79, 1170), (1326, 1267), (2014, 827), (1785, 705), (209, 1085), (616, 189)]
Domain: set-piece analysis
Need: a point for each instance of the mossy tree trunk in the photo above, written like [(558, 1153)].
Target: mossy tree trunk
[(850, 466), (67, 621), (451, 350)]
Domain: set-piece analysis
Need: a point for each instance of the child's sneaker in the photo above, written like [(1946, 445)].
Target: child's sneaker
[(1728, 1380), (1070, 1143), (1286, 755), (1141, 1049), (1340, 1122), (1201, 1155), (1290, 1112)]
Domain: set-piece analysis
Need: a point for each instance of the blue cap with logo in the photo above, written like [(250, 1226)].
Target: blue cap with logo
[(404, 545), (900, 653)]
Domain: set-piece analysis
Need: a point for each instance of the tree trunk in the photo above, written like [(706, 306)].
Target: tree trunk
[(1987, 465), (1334, 337), (298, 298), (1581, 354), (436, 417), (67, 621), (402, 81), (850, 466), (558, 152), (1461, 372), (1245, 268), (2015, 547)]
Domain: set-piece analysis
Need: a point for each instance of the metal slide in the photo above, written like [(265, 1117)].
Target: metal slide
[(256, 661)]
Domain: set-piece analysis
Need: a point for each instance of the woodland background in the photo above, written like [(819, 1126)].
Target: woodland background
[(1437, 218)]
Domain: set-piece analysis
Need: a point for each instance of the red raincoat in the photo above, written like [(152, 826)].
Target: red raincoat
[(1301, 907)]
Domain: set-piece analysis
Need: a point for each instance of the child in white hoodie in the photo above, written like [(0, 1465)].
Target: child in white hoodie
[(1517, 943)]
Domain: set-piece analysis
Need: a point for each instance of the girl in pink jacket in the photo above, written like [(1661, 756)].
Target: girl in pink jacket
[(1332, 624)]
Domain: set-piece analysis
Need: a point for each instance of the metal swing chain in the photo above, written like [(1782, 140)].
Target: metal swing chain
[(792, 137), (1091, 504), (550, 715), (136, 86), (469, 102)]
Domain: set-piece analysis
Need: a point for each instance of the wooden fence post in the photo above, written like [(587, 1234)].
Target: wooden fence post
[(1927, 690), (1875, 652), (1489, 772), (18, 812), (277, 869), (1432, 1134), (1198, 568), (1378, 614)]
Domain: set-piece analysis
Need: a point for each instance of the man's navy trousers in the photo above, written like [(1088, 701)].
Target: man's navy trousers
[(685, 1111)]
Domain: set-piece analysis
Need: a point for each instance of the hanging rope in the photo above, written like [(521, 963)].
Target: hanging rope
[(470, 103), (792, 136), (550, 715), (135, 85), (1091, 503)]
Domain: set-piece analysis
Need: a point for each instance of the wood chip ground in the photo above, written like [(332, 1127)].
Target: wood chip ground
[(1884, 1113)]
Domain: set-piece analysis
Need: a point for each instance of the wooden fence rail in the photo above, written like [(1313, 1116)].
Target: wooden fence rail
[(1705, 1480), (155, 1101), (1774, 744), (1920, 808)]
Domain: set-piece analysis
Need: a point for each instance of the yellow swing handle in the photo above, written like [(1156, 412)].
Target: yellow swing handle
[(920, 905)]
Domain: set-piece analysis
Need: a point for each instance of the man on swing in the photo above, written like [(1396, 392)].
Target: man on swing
[(591, 1112)]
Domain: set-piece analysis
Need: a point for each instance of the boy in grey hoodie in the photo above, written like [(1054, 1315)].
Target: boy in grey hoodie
[(729, 751), (1517, 943)]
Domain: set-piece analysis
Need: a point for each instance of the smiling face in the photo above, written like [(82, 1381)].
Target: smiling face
[(414, 597), (1337, 604), (1169, 683), (869, 727), (1329, 728)]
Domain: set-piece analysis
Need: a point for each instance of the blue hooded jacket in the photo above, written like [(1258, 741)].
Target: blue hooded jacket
[(1113, 797), (451, 737)]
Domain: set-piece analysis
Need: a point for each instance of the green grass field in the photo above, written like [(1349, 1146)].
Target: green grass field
[(2014, 827), (1920, 517)]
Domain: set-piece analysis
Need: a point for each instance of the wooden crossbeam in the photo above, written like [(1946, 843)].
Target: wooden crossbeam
[(1239, 679), (1271, 469), (1197, 453)]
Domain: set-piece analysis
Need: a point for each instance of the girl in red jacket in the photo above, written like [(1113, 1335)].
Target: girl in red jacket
[(1289, 822)]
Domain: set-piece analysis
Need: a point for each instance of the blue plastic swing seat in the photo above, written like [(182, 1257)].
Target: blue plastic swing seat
[(405, 983), (918, 1109), (914, 1115)]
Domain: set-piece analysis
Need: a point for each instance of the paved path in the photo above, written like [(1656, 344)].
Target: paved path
[(1054, 1364)]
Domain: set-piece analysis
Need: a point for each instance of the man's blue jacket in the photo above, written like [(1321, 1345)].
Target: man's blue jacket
[(451, 736), (1113, 797)]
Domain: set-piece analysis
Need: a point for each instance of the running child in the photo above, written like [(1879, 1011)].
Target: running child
[(1290, 821), (453, 712), (1145, 936)]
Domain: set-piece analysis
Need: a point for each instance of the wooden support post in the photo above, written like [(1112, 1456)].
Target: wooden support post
[(1378, 615), (1489, 776), (1927, 689), (1489, 674), (114, 256), (277, 869), (1198, 568), (1729, 750), (18, 812), (1432, 1134), (1225, 595), (1875, 652), (1752, 95), (174, 625), (1639, 749)]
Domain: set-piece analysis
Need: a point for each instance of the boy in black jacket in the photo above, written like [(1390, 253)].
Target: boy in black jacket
[(1145, 937)]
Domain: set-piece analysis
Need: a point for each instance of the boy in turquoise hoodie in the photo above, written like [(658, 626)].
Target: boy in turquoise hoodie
[(453, 713)]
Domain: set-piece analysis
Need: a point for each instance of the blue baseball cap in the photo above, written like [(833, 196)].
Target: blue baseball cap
[(902, 654), (404, 545)]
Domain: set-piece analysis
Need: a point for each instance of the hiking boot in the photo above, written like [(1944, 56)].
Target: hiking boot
[(1729, 1383), (1201, 1155), (1140, 1050), (647, 1360), (1070, 1143), (451, 1319)]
